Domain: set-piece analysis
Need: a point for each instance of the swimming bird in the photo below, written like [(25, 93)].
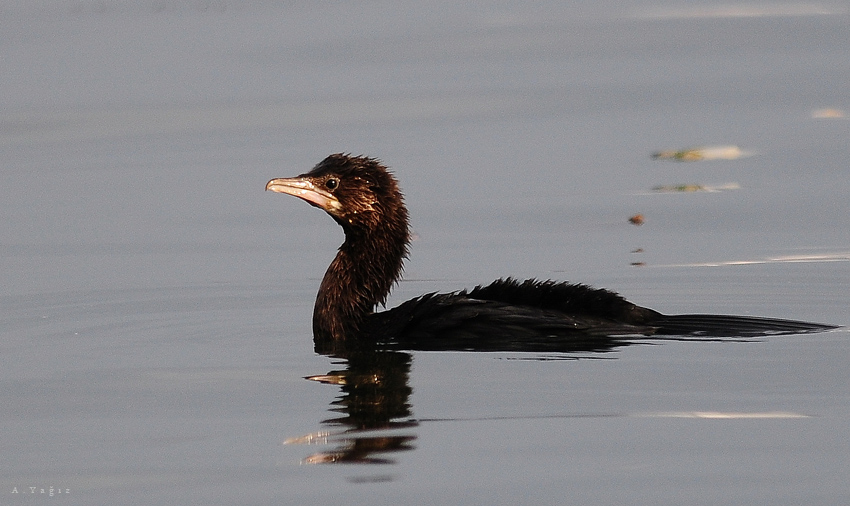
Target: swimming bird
[(364, 198)]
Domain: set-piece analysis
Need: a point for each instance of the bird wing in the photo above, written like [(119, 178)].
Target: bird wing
[(457, 321)]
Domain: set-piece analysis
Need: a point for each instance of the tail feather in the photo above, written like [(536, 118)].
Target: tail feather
[(730, 326)]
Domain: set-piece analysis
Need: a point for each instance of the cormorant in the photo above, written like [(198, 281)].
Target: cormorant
[(364, 198)]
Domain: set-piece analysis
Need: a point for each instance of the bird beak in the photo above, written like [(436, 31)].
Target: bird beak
[(304, 189)]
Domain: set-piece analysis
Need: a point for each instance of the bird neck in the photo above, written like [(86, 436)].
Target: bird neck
[(358, 280)]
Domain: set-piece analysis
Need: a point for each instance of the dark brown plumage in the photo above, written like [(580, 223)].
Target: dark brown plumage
[(364, 198)]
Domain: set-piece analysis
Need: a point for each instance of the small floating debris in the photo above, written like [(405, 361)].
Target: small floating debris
[(637, 263), (694, 187), (636, 219), (670, 188), (704, 153), (828, 114)]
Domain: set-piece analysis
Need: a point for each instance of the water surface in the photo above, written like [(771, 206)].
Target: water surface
[(156, 302)]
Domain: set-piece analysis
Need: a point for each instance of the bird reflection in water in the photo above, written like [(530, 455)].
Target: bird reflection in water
[(374, 408)]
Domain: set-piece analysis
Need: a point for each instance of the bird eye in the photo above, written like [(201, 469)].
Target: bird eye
[(332, 183)]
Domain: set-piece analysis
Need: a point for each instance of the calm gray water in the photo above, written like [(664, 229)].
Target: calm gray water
[(155, 302)]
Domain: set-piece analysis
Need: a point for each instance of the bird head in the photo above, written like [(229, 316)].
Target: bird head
[(357, 191)]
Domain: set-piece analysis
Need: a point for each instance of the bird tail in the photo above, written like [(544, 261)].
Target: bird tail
[(732, 326)]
